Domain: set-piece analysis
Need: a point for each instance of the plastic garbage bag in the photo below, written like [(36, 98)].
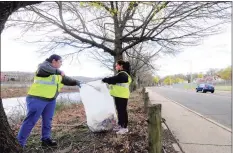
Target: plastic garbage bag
[(99, 106)]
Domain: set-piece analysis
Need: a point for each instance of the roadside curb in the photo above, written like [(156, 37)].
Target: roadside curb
[(176, 147), (202, 116)]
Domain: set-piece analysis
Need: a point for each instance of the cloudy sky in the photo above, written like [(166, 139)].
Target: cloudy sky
[(214, 52), (16, 55)]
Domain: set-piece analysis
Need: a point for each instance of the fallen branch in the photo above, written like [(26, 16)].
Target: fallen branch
[(66, 125)]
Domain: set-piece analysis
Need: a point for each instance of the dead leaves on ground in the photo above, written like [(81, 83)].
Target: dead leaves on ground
[(85, 141)]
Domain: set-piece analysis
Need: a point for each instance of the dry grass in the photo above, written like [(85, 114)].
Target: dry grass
[(10, 92), (78, 138)]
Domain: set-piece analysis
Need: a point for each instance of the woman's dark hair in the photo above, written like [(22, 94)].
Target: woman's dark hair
[(53, 57), (125, 65)]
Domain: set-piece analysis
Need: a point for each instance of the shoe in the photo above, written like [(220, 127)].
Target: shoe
[(49, 143), (123, 131), (117, 128)]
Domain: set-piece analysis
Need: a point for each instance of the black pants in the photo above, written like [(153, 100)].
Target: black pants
[(121, 107)]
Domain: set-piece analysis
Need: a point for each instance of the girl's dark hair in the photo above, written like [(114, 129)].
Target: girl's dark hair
[(53, 57), (125, 65)]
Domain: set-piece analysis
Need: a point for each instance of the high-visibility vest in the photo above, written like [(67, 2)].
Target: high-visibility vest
[(121, 90), (46, 87)]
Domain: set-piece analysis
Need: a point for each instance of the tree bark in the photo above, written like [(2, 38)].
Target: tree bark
[(118, 35), (133, 85), (7, 8), (8, 142), (155, 129)]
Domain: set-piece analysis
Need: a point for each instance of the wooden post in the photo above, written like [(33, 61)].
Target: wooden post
[(146, 101), (155, 129), (143, 91)]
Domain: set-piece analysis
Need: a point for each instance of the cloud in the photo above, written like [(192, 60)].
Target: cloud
[(214, 52)]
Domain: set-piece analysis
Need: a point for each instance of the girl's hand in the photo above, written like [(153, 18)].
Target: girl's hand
[(104, 80)]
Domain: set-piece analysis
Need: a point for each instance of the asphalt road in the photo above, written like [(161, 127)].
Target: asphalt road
[(216, 106)]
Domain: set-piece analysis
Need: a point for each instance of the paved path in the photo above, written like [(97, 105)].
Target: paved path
[(213, 106), (194, 133)]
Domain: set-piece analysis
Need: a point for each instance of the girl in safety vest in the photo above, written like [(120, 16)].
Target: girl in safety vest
[(41, 99), (119, 89)]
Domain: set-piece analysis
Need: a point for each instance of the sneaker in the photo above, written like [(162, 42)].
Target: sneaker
[(49, 143), (123, 131), (117, 128)]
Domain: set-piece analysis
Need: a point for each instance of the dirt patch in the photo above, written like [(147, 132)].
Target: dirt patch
[(10, 92), (168, 140), (73, 135)]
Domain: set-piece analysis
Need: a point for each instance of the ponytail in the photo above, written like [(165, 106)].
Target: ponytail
[(53, 57), (126, 67)]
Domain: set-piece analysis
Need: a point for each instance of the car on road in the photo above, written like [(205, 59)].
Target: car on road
[(205, 88)]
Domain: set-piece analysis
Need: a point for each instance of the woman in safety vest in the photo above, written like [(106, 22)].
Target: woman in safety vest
[(119, 89), (41, 99)]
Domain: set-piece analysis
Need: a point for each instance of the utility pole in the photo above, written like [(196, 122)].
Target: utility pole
[(170, 82), (191, 74)]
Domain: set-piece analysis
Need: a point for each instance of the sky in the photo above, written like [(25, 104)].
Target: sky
[(214, 52), (16, 55)]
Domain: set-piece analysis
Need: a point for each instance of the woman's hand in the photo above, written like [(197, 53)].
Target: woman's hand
[(62, 73)]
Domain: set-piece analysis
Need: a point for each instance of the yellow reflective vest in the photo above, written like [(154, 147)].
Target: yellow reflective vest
[(121, 90), (46, 87)]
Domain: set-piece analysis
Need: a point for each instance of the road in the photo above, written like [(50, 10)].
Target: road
[(215, 106)]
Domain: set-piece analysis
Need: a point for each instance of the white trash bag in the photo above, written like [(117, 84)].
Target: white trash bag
[(99, 106)]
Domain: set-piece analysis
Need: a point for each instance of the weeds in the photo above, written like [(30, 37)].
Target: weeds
[(79, 139)]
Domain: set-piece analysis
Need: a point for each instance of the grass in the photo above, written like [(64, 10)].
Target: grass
[(220, 88), (79, 139), (61, 106), (189, 87), (223, 88), (13, 91)]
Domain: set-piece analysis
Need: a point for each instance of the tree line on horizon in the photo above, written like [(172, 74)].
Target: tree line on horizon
[(224, 74)]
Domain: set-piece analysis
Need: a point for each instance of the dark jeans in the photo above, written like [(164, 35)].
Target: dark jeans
[(121, 107)]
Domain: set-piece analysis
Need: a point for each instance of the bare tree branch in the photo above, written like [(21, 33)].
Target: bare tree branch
[(121, 27)]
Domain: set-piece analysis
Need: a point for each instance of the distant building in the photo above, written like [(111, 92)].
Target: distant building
[(3, 77), (209, 79), (16, 76)]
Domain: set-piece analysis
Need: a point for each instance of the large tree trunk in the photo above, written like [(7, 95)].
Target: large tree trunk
[(133, 85), (8, 142), (118, 42), (7, 138), (139, 82), (7, 8)]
